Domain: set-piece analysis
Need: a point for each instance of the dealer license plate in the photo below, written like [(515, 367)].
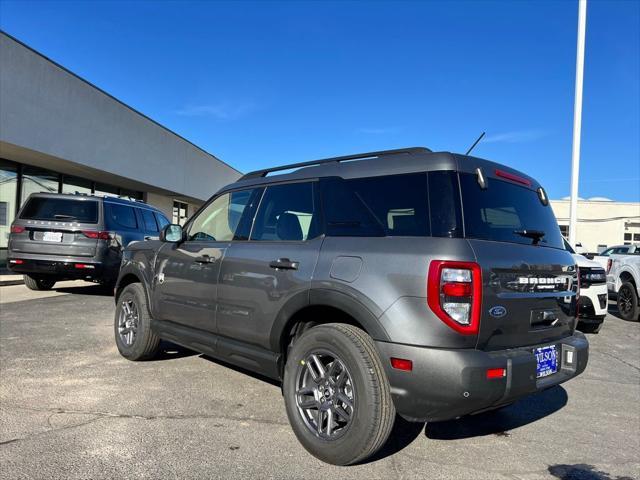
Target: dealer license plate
[(52, 236), (547, 361)]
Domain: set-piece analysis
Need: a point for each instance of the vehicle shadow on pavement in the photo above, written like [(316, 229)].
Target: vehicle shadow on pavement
[(241, 370), (171, 351), (89, 289), (402, 435), (499, 422), (581, 471)]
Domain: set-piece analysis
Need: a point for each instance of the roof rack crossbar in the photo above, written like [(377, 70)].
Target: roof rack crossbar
[(382, 153)]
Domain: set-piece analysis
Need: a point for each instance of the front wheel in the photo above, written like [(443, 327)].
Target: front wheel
[(337, 394), (38, 283), (132, 324), (628, 301)]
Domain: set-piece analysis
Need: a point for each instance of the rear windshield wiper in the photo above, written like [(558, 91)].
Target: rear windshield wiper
[(69, 217), (535, 235)]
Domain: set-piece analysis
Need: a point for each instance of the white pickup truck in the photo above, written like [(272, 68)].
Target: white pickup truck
[(623, 279)]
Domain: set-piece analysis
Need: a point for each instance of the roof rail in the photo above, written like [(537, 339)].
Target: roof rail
[(357, 156)]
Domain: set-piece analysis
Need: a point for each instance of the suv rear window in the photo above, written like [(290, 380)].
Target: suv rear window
[(60, 210), (499, 211)]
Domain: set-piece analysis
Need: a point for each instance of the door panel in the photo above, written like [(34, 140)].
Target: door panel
[(186, 279), (185, 282), (251, 292), (259, 276)]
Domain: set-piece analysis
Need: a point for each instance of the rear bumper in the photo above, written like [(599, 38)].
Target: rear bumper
[(446, 384), (69, 268), (593, 302)]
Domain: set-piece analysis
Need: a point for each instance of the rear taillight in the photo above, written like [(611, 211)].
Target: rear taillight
[(609, 263), (96, 234), (454, 294), (17, 229)]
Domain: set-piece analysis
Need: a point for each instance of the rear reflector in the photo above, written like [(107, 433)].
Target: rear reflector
[(16, 261), (496, 373), (402, 364), (84, 266), (17, 229), (97, 235), (513, 178)]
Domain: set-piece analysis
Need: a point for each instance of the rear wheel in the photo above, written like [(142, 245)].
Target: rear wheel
[(337, 395), (38, 283), (628, 301), (132, 325)]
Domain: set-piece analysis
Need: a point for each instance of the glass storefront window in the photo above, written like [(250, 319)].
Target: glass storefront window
[(105, 190), (8, 194), (180, 212), (76, 185), (35, 180)]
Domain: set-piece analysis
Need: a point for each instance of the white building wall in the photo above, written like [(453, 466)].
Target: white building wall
[(602, 223)]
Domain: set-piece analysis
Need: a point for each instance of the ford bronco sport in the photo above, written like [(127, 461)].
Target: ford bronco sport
[(433, 285)]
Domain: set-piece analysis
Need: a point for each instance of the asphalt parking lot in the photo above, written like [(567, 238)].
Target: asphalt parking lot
[(71, 407)]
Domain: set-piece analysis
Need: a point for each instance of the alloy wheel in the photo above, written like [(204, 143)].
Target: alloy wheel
[(624, 301), (128, 321), (325, 394)]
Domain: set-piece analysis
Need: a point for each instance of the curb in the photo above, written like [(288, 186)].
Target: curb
[(7, 283)]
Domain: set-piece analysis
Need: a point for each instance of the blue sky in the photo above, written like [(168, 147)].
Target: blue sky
[(259, 84)]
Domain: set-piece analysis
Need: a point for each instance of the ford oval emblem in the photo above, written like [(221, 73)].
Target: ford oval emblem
[(497, 311)]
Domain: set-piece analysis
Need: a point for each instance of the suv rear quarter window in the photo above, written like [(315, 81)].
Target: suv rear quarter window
[(395, 205)]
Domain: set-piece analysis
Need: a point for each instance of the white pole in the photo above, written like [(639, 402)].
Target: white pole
[(577, 123)]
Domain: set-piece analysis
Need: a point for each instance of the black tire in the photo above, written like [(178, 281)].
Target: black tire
[(38, 283), (628, 301), (134, 338), (589, 327), (372, 412)]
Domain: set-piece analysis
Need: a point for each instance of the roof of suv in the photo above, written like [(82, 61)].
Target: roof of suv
[(371, 164), (105, 198)]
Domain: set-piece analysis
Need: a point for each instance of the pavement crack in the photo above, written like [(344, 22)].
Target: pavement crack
[(50, 430), (101, 414), (620, 360)]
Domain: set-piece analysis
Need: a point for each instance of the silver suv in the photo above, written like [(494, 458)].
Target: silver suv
[(431, 285)]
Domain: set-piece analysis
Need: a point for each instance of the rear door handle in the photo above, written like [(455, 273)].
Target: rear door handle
[(284, 264), (204, 259), (147, 237)]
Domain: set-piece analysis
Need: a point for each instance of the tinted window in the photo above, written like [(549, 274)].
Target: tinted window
[(122, 216), (61, 210), (242, 210), (149, 220), (501, 210), (286, 213), (162, 220), (444, 202), (391, 205)]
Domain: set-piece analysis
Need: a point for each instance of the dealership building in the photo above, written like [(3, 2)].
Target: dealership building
[(602, 222), (60, 133)]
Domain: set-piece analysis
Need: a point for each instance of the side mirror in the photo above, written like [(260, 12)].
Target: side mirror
[(172, 233)]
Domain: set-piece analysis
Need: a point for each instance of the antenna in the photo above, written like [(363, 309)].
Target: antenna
[(475, 143)]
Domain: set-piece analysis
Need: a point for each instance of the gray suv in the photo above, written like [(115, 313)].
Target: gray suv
[(433, 285), (60, 236)]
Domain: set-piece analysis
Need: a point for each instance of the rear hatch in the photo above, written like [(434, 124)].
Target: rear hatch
[(57, 225), (529, 280)]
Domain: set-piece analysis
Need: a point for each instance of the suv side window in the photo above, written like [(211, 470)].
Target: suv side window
[(162, 220), (122, 216), (394, 205), (226, 218), (149, 220), (287, 213)]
